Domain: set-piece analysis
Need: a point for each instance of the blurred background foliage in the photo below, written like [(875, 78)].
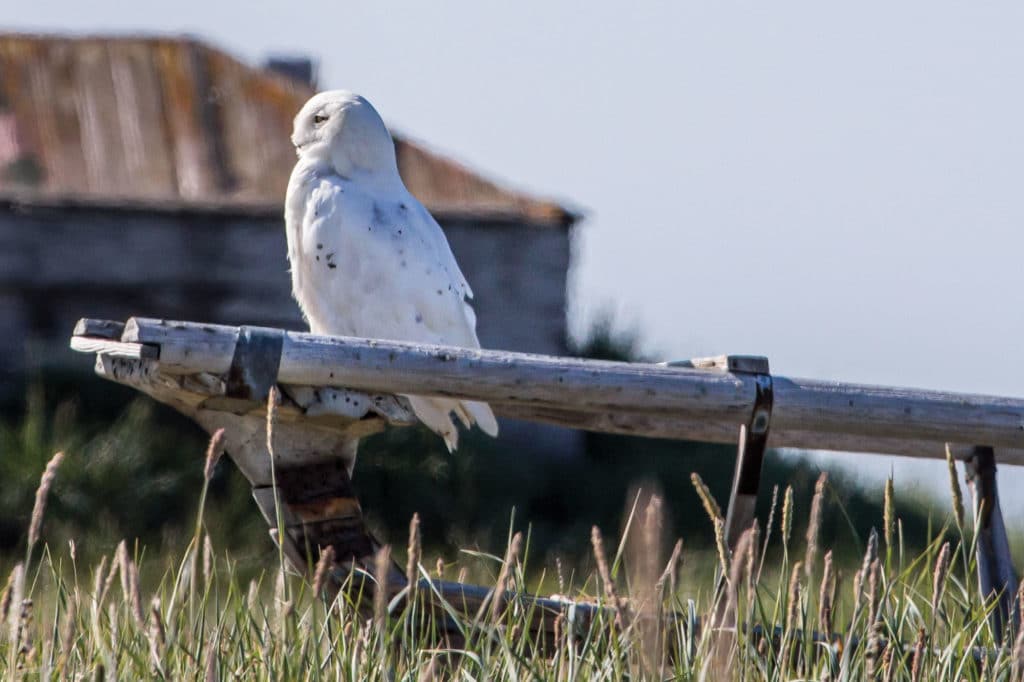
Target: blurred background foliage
[(134, 470)]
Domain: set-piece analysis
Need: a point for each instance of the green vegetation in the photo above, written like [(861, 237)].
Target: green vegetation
[(903, 616)]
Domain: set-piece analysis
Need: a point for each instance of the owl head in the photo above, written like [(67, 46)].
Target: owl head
[(343, 130)]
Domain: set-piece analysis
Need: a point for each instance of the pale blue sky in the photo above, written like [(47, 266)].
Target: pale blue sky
[(836, 187)]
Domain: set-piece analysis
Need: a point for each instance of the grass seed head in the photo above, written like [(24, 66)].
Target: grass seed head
[(382, 565), (39, 508), (826, 596), (213, 452), (415, 552), (814, 525), (787, 515), (706, 498), (939, 576), (954, 488), (888, 513), (323, 568)]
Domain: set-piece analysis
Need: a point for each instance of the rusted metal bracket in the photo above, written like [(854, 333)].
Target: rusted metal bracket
[(753, 442), (996, 574)]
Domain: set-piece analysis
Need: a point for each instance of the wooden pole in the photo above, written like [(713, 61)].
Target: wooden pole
[(637, 398)]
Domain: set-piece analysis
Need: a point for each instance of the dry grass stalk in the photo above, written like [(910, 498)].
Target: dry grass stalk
[(597, 541), (6, 597), (67, 640), (870, 554), (792, 616), (430, 672), (213, 452), (706, 498), (888, 514), (768, 531), (793, 601), (100, 580), (135, 594), (669, 574), (939, 577), (157, 633), (323, 568), (650, 558), (787, 515), (874, 591), (814, 525), (382, 564), (826, 597), (415, 552), (917, 661), (954, 488), (755, 541), (273, 400), (212, 661), (463, 574), (503, 585), (1017, 671), (207, 559), (16, 595), (1020, 600), (722, 547), (889, 664), (559, 630), (121, 560), (39, 508), (439, 568), (745, 547)]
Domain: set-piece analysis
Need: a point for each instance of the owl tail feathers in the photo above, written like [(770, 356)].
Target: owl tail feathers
[(482, 415), (436, 414)]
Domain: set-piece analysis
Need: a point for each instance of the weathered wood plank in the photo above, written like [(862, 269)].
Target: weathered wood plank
[(100, 329), (118, 349), (635, 398)]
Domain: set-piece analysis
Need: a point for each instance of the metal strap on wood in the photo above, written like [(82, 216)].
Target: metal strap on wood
[(753, 443)]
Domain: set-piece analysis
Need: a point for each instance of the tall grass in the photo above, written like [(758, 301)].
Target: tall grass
[(729, 614)]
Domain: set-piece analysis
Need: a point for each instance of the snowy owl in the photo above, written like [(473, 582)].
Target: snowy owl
[(367, 259)]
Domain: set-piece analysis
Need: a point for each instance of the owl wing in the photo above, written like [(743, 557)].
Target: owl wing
[(379, 266)]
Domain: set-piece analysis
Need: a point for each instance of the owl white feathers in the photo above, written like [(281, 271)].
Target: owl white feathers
[(367, 259)]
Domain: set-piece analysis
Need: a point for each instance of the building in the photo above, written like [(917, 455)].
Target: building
[(146, 176)]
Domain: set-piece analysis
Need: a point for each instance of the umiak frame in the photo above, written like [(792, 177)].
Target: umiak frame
[(338, 390)]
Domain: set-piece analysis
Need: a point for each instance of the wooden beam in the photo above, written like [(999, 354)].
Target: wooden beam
[(638, 398)]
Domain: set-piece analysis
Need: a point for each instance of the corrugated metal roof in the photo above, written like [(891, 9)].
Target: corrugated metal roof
[(173, 121)]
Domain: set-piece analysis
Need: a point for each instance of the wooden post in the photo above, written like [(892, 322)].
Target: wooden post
[(996, 574)]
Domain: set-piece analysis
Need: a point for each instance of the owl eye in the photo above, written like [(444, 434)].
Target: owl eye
[(319, 118)]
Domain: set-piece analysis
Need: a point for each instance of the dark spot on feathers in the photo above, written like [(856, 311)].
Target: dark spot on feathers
[(330, 255), (439, 292), (332, 266), (319, 246), (403, 263), (318, 257), (378, 215), (419, 318), (403, 207)]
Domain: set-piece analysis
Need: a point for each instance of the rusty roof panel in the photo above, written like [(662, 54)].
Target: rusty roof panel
[(165, 120)]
